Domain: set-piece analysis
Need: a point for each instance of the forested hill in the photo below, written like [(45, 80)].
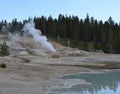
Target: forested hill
[(86, 34)]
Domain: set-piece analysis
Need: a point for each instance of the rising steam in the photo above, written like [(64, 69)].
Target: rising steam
[(29, 29)]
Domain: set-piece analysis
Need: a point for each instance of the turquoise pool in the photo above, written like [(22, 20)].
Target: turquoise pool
[(101, 83)]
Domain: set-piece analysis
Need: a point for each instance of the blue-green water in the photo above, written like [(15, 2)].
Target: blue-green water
[(101, 83)]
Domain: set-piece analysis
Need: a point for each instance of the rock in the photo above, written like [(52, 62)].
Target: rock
[(76, 53), (37, 52), (22, 53)]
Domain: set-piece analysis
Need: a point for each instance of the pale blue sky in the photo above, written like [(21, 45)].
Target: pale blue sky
[(22, 9)]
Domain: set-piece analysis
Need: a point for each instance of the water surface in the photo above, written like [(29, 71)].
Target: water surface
[(101, 83)]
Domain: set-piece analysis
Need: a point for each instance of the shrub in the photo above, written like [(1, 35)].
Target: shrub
[(3, 65), (25, 60)]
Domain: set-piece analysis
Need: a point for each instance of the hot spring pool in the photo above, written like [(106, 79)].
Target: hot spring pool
[(101, 83)]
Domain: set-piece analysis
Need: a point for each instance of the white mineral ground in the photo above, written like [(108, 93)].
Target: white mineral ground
[(34, 71)]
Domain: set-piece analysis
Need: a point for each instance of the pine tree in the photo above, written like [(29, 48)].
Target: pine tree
[(4, 51)]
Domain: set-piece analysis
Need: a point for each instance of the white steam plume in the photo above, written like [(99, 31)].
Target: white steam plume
[(29, 29)]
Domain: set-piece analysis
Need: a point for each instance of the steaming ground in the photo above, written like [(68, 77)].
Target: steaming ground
[(31, 70), (29, 29)]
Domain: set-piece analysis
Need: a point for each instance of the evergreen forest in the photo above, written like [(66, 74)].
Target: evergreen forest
[(86, 34)]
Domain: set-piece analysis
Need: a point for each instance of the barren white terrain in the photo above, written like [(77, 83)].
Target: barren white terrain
[(35, 71)]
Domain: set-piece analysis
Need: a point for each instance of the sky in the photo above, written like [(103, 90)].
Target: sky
[(22, 9)]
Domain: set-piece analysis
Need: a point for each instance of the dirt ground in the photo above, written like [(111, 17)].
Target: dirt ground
[(30, 73), (39, 74)]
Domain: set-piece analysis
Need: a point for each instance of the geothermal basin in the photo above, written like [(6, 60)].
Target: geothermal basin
[(37, 66)]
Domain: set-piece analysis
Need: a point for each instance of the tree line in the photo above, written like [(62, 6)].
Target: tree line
[(86, 34)]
